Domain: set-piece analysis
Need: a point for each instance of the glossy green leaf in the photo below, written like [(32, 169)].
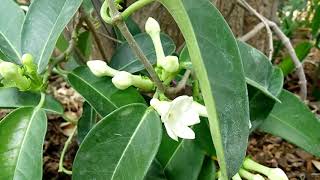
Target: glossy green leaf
[(43, 25), (13, 98), (124, 58), (293, 121), (100, 93), (11, 22), (121, 146), (208, 171), (86, 122), (302, 50), (259, 71), (216, 60), (22, 135), (180, 160)]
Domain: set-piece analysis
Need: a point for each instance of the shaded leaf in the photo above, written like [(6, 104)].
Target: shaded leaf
[(44, 23), (100, 93), (13, 98), (86, 122), (22, 135), (155, 172), (180, 160), (293, 121), (124, 59), (208, 171), (120, 146), (132, 26)]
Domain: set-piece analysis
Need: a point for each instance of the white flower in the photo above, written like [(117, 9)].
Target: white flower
[(177, 116), (100, 68), (122, 80)]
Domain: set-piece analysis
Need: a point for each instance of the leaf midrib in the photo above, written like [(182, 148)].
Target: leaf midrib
[(11, 45), (83, 80), (35, 111), (129, 142), (49, 37)]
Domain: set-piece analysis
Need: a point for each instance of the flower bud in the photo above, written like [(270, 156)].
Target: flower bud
[(100, 68), (236, 177), (8, 69), (170, 64), (248, 175), (276, 174), (271, 173), (152, 26), (122, 80), (27, 59)]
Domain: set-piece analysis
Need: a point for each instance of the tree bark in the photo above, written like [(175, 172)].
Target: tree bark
[(238, 19)]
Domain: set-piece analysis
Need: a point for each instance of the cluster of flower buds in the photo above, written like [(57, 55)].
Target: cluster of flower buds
[(121, 79), (169, 64), (24, 78)]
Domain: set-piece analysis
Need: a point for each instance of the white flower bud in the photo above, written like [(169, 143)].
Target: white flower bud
[(236, 177), (152, 27), (170, 64), (8, 69), (100, 68), (122, 80), (276, 174), (257, 177)]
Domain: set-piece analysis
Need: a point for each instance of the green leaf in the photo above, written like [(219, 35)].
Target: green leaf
[(121, 146), (86, 122), (316, 21), (13, 98), (293, 121), (22, 135), (84, 43), (43, 25), (180, 160), (11, 22), (208, 171), (125, 60), (155, 172), (216, 60), (259, 71), (302, 50), (100, 93), (203, 139)]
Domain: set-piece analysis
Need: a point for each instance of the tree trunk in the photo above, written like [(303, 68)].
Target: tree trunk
[(239, 20)]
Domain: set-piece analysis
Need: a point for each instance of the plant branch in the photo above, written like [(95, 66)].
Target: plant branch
[(262, 19), (252, 33), (95, 35), (181, 85), (286, 41), (64, 150), (118, 21)]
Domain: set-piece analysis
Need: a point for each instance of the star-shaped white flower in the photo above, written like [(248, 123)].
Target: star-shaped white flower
[(177, 116)]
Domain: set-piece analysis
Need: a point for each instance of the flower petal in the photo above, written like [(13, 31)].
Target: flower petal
[(183, 131), (171, 134)]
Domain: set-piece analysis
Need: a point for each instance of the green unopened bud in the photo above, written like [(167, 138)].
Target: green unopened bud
[(100, 68), (248, 175), (12, 76), (153, 29), (27, 59), (170, 64), (8, 69), (122, 80), (28, 63), (271, 173)]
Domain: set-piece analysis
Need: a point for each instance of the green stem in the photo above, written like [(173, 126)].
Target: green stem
[(142, 83), (133, 45), (252, 165), (41, 102), (126, 13), (66, 145)]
